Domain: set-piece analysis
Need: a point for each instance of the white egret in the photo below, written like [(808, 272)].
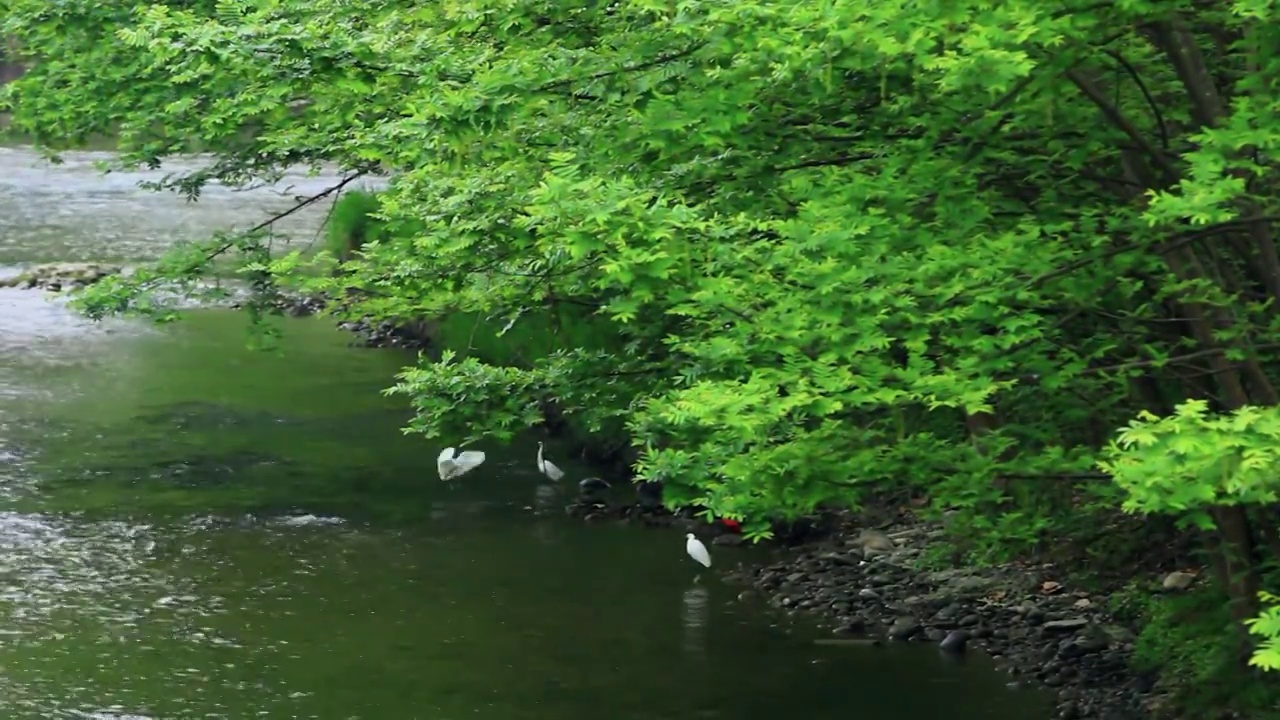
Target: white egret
[(697, 550), (452, 466), (548, 468)]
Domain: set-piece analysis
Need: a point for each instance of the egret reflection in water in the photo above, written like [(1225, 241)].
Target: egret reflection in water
[(694, 621), (544, 499)]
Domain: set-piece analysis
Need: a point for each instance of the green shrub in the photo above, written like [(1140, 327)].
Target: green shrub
[(352, 224)]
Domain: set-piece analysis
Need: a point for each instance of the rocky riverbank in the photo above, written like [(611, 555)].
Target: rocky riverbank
[(1031, 620), (369, 332), (872, 582), (68, 277), (873, 585), (60, 277), (869, 581)]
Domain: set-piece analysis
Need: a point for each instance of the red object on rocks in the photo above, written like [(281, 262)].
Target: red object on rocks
[(733, 525)]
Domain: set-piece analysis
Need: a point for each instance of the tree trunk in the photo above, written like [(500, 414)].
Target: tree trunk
[(1236, 569)]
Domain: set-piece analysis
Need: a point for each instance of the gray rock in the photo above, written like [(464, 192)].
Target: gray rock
[(961, 583), (592, 484), (947, 614), (840, 558), (851, 626), (874, 540), (1072, 648), (971, 585), (1177, 581), (1065, 626), (728, 540), (1116, 634), (54, 277), (954, 641), (903, 628)]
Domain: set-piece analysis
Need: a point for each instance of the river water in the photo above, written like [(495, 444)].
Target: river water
[(191, 529)]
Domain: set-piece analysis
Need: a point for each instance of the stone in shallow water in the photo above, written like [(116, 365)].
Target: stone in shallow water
[(56, 276), (954, 641), (903, 629)]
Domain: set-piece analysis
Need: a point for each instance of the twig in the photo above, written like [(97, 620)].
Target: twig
[(1142, 86), (646, 65), (1208, 352), (824, 162), (1186, 239), (306, 202), (1118, 119), (1055, 476)]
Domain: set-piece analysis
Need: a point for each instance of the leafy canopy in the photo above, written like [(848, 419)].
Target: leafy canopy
[(820, 235)]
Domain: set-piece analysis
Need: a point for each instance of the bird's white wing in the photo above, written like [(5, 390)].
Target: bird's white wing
[(445, 464), (698, 551), (551, 470), (468, 461)]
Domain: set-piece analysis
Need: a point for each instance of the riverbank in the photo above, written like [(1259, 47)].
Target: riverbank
[(870, 585), (874, 584), (1031, 620), (608, 451), (876, 580)]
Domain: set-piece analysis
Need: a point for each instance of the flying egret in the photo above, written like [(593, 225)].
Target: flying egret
[(452, 466), (697, 550), (548, 468)]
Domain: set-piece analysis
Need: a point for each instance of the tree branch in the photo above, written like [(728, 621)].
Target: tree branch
[(825, 162), (1186, 239), (1114, 115), (646, 65), (1142, 86), (1206, 353), (305, 202)]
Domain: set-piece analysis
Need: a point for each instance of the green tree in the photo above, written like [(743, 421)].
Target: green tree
[(842, 245)]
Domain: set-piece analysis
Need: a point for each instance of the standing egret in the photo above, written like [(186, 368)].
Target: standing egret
[(548, 468), (452, 466), (697, 550)]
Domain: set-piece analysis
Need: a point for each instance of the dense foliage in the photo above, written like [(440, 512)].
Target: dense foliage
[(942, 247)]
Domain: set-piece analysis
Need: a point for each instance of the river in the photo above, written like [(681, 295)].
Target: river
[(192, 529)]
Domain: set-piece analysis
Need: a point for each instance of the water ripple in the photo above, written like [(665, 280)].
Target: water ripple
[(56, 572), (45, 206)]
